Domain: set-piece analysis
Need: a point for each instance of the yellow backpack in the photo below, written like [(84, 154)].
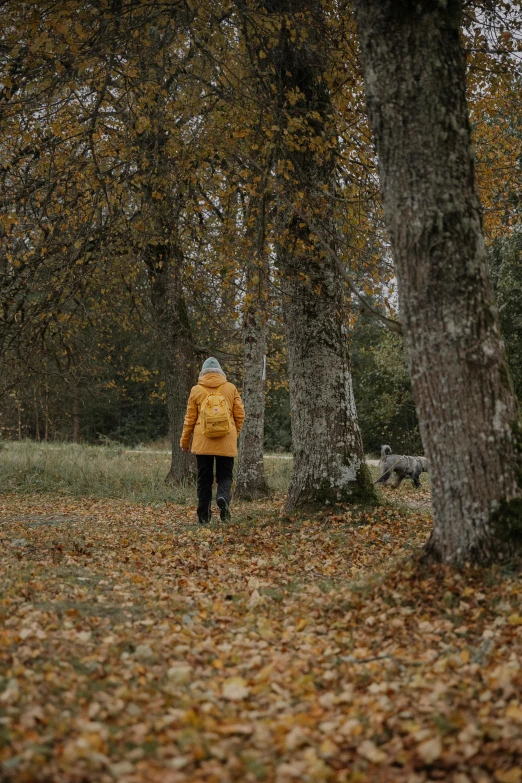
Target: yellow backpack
[(215, 415)]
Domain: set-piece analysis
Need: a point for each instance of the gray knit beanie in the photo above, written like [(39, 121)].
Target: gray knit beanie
[(211, 365)]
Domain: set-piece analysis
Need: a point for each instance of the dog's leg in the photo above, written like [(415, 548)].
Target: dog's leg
[(397, 480)]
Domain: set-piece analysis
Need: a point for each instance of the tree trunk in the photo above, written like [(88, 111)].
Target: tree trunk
[(181, 374), (414, 69), (328, 451), (76, 434), (46, 414), (250, 481), (36, 417), (165, 264)]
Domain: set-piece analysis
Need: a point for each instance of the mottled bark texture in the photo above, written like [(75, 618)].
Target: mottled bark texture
[(414, 70), (165, 265), (250, 480), (328, 452), (76, 417), (162, 196)]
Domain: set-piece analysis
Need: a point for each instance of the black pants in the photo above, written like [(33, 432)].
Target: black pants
[(224, 469)]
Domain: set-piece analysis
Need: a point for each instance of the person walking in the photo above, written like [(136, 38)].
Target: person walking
[(214, 418)]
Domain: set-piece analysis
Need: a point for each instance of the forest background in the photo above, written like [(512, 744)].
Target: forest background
[(128, 122)]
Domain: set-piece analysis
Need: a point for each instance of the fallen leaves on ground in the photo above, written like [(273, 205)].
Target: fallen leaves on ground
[(136, 646)]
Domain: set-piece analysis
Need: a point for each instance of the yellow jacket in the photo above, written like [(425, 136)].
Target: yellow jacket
[(225, 446)]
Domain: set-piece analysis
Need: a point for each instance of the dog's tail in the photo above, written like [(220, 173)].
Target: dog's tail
[(385, 450)]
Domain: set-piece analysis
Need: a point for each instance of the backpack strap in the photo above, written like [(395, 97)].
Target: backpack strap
[(226, 401), (214, 391)]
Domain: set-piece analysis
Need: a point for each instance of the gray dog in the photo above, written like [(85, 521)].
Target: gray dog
[(402, 466), (425, 465)]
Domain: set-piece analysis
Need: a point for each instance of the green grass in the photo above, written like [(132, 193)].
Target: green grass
[(278, 472), (113, 471), (86, 471), (103, 472)]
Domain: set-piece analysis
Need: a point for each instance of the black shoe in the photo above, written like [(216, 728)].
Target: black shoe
[(224, 512), (202, 521)]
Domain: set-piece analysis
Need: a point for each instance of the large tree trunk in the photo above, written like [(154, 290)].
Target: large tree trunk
[(250, 481), (46, 413), (414, 70), (328, 452), (163, 198), (76, 417), (36, 416), (165, 264)]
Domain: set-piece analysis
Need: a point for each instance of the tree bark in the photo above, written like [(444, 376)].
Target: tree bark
[(327, 445), (36, 417), (163, 199), (165, 264), (414, 70), (250, 480), (328, 451), (46, 413), (76, 417)]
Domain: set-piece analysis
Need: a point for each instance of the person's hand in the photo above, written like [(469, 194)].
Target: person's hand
[(185, 451)]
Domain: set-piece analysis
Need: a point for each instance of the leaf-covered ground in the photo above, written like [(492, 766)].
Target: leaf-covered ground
[(136, 646)]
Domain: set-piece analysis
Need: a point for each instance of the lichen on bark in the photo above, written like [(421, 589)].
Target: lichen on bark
[(250, 482), (414, 69), (327, 445)]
